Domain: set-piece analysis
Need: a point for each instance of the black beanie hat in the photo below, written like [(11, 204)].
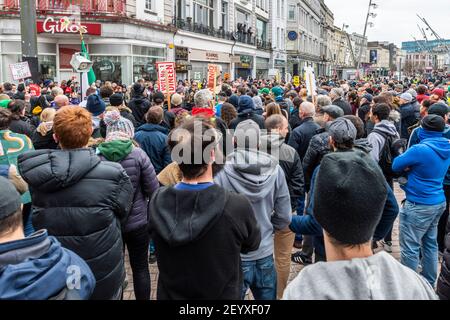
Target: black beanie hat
[(116, 99), (349, 196), (9, 199), (158, 97), (433, 122), (138, 89)]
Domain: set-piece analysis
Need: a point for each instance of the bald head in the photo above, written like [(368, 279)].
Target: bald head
[(61, 101), (307, 109)]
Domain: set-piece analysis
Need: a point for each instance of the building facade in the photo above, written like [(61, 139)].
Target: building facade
[(426, 56)]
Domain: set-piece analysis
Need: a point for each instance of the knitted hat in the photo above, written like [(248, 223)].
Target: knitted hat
[(138, 89), (433, 122), (116, 99), (234, 100), (245, 103), (368, 97), (342, 130), (264, 91), (439, 108), (349, 196), (4, 103), (9, 198), (176, 99), (95, 105), (158, 97), (439, 92), (117, 127), (406, 96), (277, 91)]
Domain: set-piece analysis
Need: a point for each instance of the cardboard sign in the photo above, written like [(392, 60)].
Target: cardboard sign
[(20, 71), (213, 72), (167, 79), (296, 81)]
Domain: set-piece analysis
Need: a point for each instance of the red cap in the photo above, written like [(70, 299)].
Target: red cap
[(439, 92), (206, 112)]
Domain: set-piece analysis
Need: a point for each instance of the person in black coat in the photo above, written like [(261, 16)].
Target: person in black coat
[(301, 136), (246, 111), (139, 104), (81, 200), (43, 136), (20, 123), (337, 96), (189, 230), (295, 120)]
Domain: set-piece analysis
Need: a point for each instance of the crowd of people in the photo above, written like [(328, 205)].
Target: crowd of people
[(220, 184)]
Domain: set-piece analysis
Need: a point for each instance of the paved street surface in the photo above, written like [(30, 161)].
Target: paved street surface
[(295, 268)]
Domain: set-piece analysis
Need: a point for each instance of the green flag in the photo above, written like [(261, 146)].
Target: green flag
[(90, 74)]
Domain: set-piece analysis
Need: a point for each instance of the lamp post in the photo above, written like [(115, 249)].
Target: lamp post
[(369, 14)]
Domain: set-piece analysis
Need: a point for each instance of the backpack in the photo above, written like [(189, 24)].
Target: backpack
[(393, 147)]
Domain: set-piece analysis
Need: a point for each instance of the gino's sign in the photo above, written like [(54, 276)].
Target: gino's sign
[(53, 25)]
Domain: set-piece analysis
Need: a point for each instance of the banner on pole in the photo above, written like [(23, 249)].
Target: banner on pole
[(296, 81), (213, 72), (310, 81), (20, 71), (166, 77)]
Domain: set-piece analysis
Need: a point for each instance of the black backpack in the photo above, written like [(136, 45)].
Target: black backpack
[(393, 147)]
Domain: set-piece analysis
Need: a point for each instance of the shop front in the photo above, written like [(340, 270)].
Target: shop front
[(182, 64), (243, 68), (280, 65), (115, 58), (199, 60), (262, 68)]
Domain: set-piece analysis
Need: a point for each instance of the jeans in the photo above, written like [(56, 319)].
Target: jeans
[(390, 213), (283, 241), (260, 276), (442, 226), (300, 212), (137, 245), (418, 232)]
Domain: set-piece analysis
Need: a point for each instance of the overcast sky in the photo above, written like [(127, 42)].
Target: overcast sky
[(396, 20)]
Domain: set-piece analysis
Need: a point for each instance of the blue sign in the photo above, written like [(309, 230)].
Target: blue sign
[(292, 35)]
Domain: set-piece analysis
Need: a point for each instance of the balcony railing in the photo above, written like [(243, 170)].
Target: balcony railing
[(87, 7), (188, 25), (263, 45)]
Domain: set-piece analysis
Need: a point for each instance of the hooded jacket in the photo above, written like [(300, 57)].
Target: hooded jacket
[(428, 163), (204, 231), (44, 142), (377, 140), (378, 277), (152, 138), (139, 106), (22, 126), (247, 111), (415, 139), (257, 175), (138, 167), (38, 268), (290, 162), (82, 201)]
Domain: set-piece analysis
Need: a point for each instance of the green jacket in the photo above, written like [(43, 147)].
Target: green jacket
[(11, 146)]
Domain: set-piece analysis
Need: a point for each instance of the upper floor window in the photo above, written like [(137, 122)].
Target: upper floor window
[(150, 5), (291, 13), (204, 12)]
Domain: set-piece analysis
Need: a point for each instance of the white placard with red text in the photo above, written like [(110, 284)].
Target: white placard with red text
[(166, 69)]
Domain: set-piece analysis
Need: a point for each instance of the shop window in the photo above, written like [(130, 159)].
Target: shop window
[(107, 68), (47, 66)]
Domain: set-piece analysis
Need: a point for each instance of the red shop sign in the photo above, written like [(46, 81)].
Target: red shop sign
[(65, 25)]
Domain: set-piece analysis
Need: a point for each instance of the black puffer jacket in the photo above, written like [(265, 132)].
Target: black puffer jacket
[(443, 285), (139, 106), (318, 147), (44, 142), (290, 162), (81, 201), (22, 126)]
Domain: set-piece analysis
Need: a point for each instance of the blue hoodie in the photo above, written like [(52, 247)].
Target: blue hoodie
[(38, 268), (428, 163), (415, 139)]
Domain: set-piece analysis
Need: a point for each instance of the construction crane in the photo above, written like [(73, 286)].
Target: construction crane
[(441, 41)]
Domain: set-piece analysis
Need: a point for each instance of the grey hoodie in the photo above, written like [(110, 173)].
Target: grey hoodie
[(379, 277), (377, 141), (257, 176)]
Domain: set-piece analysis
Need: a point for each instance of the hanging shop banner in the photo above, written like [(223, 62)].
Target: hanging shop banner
[(166, 77), (213, 72), (20, 71)]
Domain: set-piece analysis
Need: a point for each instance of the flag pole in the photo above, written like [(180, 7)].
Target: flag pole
[(81, 73)]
